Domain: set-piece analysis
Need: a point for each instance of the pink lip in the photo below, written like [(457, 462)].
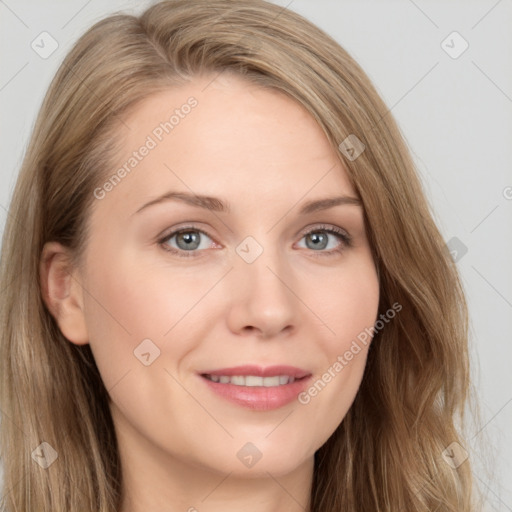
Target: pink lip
[(260, 398)]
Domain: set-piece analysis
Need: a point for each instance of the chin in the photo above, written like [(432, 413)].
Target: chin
[(258, 459)]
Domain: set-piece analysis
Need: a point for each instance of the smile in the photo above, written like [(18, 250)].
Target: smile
[(255, 387), (251, 380)]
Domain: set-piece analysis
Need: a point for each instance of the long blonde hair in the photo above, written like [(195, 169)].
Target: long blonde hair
[(386, 455)]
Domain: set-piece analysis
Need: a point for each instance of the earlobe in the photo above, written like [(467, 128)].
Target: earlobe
[(62, 292)]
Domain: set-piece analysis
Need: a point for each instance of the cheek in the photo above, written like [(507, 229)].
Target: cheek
[(358, 309), (119, 307), (131, 301), (350, 308), (349, 301)]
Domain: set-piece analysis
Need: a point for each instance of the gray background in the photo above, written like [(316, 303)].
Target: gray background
[(454, 110)]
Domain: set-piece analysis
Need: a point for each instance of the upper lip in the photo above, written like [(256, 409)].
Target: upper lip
[(260, 371)]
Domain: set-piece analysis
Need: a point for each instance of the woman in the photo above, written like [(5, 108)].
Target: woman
[(243, 299)]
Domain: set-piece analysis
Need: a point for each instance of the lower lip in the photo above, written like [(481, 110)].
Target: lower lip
[(259, 398)]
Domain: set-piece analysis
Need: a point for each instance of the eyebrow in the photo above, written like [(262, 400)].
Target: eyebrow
[(218, 205)]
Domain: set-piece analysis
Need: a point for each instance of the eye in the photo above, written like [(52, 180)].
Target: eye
[(187, 240), (318, 239)]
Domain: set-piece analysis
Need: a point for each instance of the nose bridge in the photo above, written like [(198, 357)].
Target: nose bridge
[(264, 271), (262, 297)]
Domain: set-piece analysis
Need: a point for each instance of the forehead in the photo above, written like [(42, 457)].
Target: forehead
[(220, 135)]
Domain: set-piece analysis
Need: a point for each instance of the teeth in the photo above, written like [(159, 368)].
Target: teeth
[(252, 380), (238, 381), (249, 380), (283, 379)]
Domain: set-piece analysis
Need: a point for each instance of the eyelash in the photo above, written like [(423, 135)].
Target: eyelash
[(346, 240)]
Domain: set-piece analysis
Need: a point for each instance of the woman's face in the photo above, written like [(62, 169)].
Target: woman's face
[(256, 279)]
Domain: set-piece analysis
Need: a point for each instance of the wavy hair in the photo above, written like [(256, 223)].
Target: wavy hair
[(386, 454)]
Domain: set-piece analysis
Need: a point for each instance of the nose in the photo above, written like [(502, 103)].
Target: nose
[(263, 302)]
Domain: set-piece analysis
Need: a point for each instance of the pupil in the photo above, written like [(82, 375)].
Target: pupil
[(189, 237), (318, 238)]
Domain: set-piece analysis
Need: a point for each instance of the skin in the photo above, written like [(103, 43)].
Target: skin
[(264, 154)]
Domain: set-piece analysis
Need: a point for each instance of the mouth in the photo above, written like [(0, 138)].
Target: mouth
[(252, 380), (257, 388)]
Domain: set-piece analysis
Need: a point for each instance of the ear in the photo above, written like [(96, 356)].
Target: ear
[(62, 292)]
